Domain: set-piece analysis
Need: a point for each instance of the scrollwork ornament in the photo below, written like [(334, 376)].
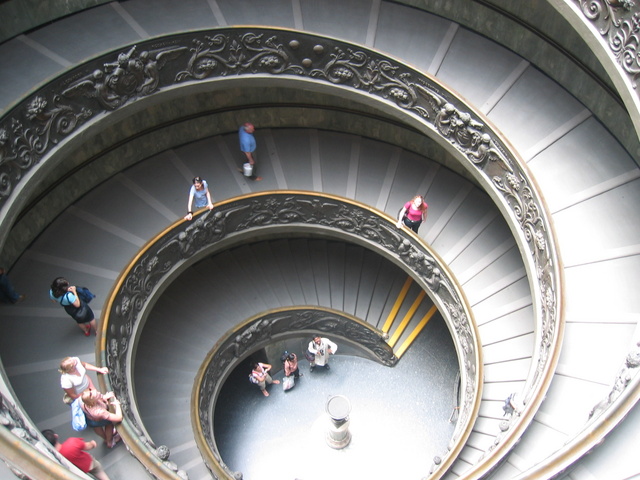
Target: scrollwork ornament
[(221, 55), (13, 420), (206, 58), (25, 142), (359, 70), (188, 239), (33, 128), (264, 330), (626, 374), (619, 22)]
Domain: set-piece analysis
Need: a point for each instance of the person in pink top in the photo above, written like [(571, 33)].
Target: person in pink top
[(96, 408), (413, 213)]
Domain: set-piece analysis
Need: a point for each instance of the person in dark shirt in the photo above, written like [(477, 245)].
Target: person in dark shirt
[(7, 292)]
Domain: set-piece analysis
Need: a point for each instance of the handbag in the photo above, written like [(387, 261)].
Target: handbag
[(77, 313), (288, 383), (310, 356), (78, 420)]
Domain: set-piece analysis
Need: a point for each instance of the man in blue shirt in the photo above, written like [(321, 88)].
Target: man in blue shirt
[(248, 147)]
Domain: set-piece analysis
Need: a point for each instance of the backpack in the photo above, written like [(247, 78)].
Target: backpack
[(78, 419), (85, 294)]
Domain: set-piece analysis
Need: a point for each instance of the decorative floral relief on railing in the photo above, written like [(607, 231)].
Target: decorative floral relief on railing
[(23, 142), (241, 217), (625, 375), (619, 22), (12, 419), (113, 81), (261, 332)]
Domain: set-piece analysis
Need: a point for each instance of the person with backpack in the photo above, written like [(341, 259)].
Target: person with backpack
[(260, 376), (97, 408), (70, 297)]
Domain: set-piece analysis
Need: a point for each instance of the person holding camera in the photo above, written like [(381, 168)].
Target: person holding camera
[(290, 364), (97, 408), (260, 376), (320, 348)]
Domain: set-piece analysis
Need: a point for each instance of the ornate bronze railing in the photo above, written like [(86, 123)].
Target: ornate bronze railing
[(257, 333), (85, 96), (22, 448), (272, 213)]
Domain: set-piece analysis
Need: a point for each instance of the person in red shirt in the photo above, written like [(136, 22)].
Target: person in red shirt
[(74, 449)]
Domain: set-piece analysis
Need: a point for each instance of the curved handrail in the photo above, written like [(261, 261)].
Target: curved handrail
[(258, 332), (233, 222), (25, 451), (625, 393), (85, 96)]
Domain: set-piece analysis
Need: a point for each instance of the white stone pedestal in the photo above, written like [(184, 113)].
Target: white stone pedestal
[(338, 408)]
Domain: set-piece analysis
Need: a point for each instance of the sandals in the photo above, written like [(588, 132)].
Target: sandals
[(116, 438)]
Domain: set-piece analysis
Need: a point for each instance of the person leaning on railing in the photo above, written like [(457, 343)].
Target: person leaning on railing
[(96, 408), (199, 197), (74, 379)]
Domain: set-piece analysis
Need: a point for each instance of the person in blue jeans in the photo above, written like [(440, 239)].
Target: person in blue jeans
[(7, 292), (248, 147)]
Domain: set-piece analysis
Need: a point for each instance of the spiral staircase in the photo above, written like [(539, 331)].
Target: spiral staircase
[(543, 75)]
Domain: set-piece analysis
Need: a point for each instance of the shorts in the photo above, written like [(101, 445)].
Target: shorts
[(96, 423), (95, 468)]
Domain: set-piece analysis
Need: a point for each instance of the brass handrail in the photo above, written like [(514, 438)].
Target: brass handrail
[(237, 220)]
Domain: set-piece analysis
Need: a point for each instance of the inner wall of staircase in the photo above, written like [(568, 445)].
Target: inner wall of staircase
[(141, 195), (207, 300), (165, 121), (606, 184)]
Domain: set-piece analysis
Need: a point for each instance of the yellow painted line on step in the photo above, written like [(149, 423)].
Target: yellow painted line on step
[(407, 318), (416, 331), (396, 306)]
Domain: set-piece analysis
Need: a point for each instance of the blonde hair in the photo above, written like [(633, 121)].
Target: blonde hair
[(66, 366), (86, 398)]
